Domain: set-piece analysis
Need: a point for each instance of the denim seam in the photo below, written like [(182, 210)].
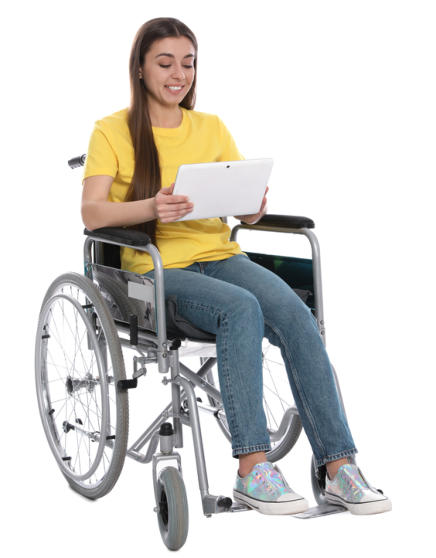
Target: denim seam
[(336, 456), (224, 328), (298, 386), (241, 450)]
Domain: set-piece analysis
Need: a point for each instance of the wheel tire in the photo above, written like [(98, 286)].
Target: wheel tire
[(91, 425), (172, 504), (272, 366)]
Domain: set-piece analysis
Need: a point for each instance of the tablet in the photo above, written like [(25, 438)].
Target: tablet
[(223, 188)]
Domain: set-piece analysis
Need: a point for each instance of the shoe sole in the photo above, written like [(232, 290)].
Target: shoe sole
[(272, 508), (362, 508)]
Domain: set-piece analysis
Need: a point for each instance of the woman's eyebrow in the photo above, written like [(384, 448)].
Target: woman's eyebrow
[(172, 55)]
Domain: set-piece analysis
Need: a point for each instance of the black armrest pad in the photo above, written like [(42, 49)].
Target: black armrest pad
[(131, 237), (289, 221)]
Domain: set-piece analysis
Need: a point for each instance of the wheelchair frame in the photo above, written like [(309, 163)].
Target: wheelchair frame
[(160, 349), (167, 355)]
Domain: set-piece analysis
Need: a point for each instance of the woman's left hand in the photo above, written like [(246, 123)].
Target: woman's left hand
[(255, 217)]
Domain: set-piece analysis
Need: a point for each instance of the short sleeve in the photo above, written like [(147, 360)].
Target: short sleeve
[(101, 157), (229, 150)]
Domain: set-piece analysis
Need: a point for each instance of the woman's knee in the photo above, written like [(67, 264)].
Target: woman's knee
[(289, 308), (244, 309), (245, 303)]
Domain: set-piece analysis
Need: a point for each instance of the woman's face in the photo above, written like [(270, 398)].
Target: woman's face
[(169, 62)]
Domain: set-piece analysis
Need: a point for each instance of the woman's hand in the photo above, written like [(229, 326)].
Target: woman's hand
[(255, 217), (168, 208)]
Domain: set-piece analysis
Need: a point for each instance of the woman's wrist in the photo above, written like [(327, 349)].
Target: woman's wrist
[(151, 208)]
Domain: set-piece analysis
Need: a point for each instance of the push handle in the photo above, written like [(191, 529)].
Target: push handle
[(76, 162)]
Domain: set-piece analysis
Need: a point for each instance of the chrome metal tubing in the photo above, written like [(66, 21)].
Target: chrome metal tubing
[(133, 451), (196, 437), (161, 322), (175, 396), (200, 382), (317, 282)]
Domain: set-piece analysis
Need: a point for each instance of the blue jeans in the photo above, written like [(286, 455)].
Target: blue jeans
[(241, 302)]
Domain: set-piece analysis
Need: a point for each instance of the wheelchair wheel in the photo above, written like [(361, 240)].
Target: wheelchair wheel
[(78, 364), (284, 425), (172, 508)]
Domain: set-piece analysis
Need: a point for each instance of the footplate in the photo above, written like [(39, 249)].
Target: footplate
[(318, 511), (238, 507)]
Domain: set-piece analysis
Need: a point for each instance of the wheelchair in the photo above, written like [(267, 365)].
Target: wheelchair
[(91, 325)]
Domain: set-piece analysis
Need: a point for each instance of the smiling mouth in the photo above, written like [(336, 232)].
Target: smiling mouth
[(175, 89)]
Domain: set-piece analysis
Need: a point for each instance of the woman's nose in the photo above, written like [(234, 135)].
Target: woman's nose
[(179, 72)]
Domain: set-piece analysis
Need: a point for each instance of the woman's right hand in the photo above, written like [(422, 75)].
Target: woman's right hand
[(168, 207)]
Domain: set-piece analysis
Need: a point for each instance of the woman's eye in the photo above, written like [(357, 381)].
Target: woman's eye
[(168, 65)]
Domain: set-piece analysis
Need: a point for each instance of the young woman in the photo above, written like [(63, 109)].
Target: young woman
[(129, 175)]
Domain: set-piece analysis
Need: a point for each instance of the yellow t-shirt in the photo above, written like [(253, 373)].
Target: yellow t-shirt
[(201, 138)]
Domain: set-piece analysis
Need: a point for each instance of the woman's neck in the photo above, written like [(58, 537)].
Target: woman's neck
[(162, 117)]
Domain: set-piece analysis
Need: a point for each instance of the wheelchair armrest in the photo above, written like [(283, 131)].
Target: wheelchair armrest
[(283, 221), (119, 235)]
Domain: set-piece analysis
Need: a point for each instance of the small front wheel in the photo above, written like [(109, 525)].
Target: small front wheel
[(172, 508)]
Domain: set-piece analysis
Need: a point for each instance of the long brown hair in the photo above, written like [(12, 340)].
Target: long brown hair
[(146, 181)]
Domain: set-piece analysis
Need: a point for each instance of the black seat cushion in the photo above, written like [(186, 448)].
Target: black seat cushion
[(179, 327)]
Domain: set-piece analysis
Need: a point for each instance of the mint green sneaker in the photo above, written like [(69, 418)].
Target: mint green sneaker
[(266, 490)]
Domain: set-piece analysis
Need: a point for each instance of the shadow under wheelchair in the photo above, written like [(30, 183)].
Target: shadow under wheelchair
[(91, 325)]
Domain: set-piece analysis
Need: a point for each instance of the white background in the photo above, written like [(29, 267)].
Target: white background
[(342, 95)]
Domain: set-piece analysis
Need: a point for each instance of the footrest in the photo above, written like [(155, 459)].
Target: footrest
[(238, 507), (317, 511), (218, 504)]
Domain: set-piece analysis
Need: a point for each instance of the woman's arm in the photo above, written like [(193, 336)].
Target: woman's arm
[(97, 212)]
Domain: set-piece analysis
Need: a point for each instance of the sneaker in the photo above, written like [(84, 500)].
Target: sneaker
[(265, 490), (350, 489)]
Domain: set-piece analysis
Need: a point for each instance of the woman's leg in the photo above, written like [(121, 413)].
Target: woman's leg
[(290, 325), (234, 315)]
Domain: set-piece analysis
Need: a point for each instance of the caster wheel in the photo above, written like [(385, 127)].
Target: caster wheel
[(172, 508)]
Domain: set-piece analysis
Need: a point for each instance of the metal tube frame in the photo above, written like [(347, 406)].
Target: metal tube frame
[(182, 388)]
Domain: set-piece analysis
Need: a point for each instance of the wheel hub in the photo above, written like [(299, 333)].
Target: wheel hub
[(163, 508), (73, 385)]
